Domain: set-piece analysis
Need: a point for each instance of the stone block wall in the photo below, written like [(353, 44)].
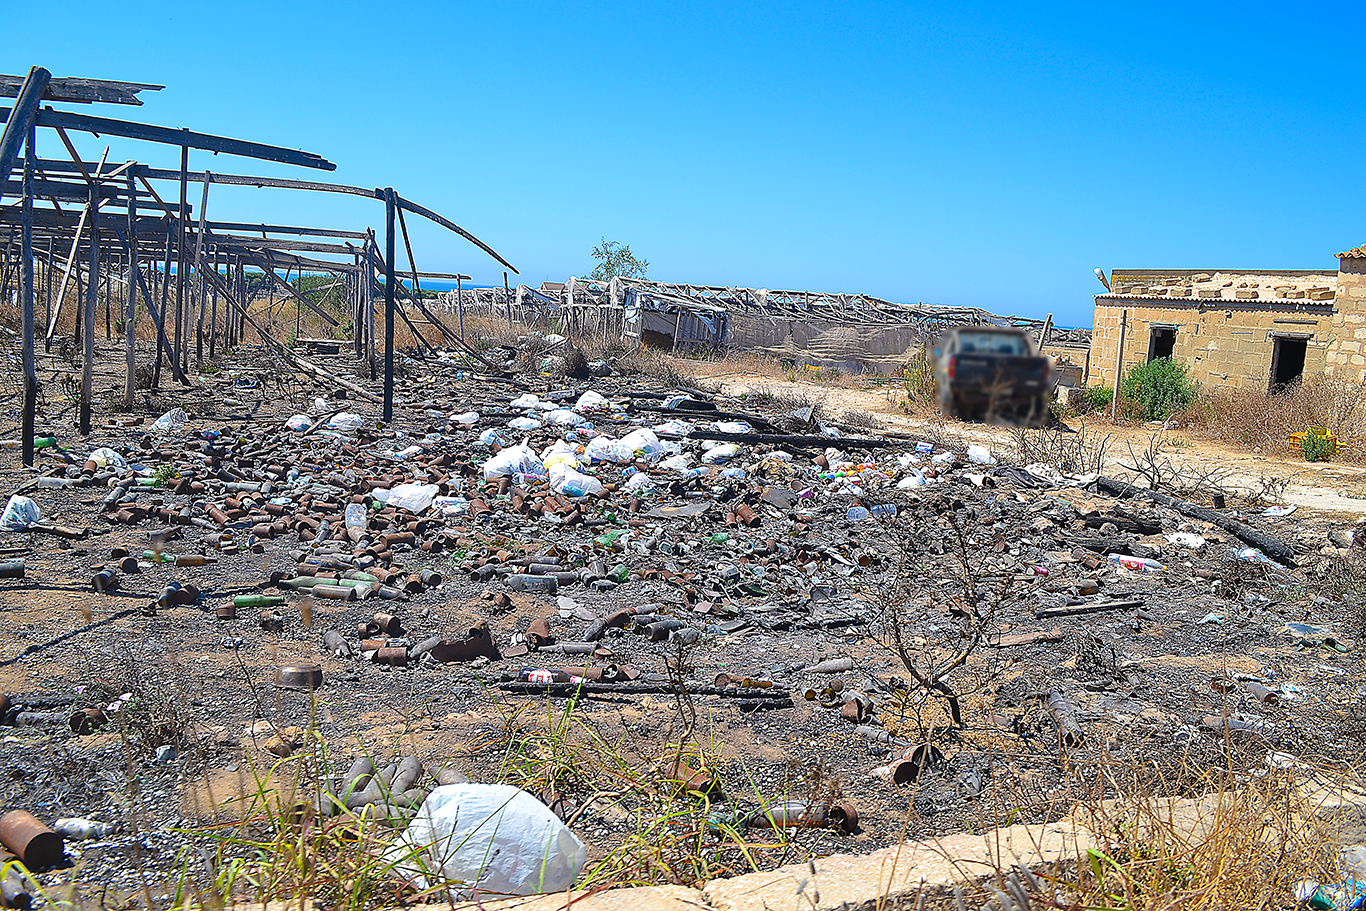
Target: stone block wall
[(1346, 357), (1225, 343)]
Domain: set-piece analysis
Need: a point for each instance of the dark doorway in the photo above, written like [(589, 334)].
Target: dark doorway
[(1287, 363), (1161, 341)]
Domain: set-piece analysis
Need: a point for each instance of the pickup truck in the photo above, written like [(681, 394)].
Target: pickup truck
[(994, 374)]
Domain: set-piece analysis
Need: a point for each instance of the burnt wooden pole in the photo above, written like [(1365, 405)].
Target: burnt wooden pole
[(460, 306), (180, 254), (26, 292), (389, 206), (200, 284), (88, 321), (131, 306), (507, 297)]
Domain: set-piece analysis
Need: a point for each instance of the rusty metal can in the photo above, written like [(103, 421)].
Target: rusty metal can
[(388, 624), (226, 611), (87, 720), (31, 841), (397, 657)]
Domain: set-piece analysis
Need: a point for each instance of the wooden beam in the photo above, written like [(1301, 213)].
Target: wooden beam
[(29, 96), (83, 91), (104, 126)]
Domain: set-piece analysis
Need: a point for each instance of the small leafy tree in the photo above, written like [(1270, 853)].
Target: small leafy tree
[(1159, 389), (615, 260)]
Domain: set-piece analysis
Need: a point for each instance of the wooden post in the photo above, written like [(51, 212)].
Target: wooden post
[(1119, 361), (47, 277), (370, 300), (26, 293), (131, 306), (180, 256), (161, 310), (92, 286), (213, 316), (389, 206), (507, 297), (198, 269), (460, 305)]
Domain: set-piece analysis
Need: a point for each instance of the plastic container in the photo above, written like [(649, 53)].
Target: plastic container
[(355, 521), (1137, 564), (882, 510), (857, 514)]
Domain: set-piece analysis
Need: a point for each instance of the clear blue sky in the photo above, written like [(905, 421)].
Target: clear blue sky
[(985, 155)]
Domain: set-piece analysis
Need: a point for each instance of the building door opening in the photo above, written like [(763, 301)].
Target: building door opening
[(1287, 363), (1161, 342)]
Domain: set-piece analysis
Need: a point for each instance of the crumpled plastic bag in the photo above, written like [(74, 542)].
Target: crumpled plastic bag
[(172, 421), (524, 424), (494, 838), (565, 417), (590, 400), (570, 482), (721, 452), (412, 496), (20, 513), (346, 422), (643, 444), (604, 448), (526, 400), (299, 423), (104, 457), (519, 459), (980, 455)]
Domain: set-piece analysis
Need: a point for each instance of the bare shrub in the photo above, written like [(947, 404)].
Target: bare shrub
[(1250, 417), (1081, 452)]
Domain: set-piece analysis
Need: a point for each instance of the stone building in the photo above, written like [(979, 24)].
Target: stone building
[(1261, 328)]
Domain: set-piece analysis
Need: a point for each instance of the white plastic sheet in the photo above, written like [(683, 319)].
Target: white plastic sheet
[(493, 838)]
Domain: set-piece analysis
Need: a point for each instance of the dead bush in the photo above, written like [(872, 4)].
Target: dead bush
[(1250, 417)]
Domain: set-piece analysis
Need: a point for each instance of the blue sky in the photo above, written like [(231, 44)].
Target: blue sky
[(975, 154)]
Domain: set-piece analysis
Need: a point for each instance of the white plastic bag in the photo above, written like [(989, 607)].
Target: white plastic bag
[(469, 418), (569, 482), (412, 496), (719, 453), (104, 457), (734, 426), (675, 427), (526, 400), (602, 448), (676, 463), (20, 513), (299, 423), (565, 417), (642, 444), (494, 838), (171, 422), (519, 459), (639, 481), (524, 424), (590, 400), (980, 455), (346, 422)]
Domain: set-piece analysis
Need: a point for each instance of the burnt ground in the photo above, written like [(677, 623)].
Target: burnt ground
[(1148, 682)]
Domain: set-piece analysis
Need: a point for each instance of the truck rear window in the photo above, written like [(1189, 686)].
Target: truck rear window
[(991, 343)]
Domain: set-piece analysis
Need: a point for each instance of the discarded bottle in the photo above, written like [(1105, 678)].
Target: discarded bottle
[(1253, 555), (12, 569), (1137, 564), (257, 600), (856, 514), (38, 443), (525, 582), (355, 521), (882, 510)]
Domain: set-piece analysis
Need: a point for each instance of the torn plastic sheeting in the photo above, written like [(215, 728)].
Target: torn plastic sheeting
[(413, 497)]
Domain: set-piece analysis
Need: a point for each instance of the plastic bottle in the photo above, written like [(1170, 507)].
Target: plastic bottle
[(856, 514), (922, 446), (882, 510), (1137, 564), (355, 521)]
